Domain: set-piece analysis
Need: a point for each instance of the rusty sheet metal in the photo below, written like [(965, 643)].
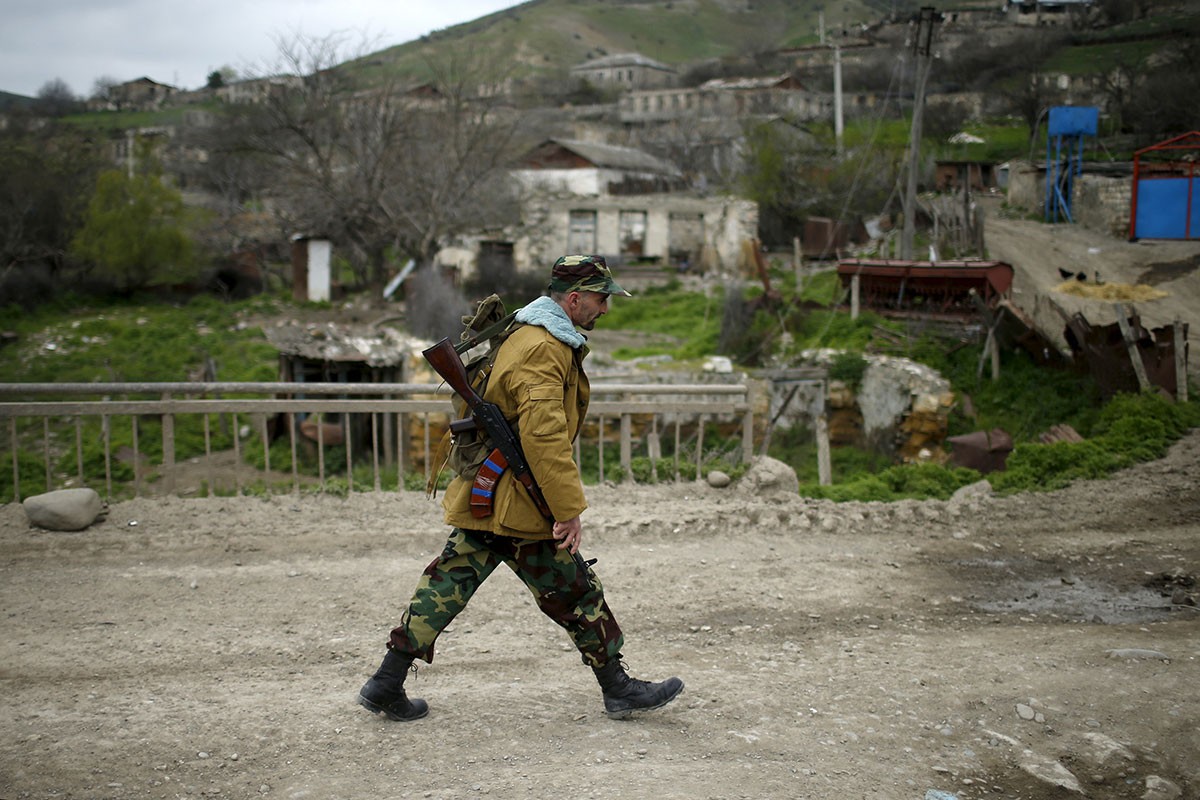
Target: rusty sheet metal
[(1015, 328), (927, 287), (1103, 352), (983, 451), (1060, 433), (827, 238)]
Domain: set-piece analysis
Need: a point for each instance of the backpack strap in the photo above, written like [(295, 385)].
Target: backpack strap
[(490, 331)]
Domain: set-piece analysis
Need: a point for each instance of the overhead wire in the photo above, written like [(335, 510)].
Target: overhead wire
[(895, 81)]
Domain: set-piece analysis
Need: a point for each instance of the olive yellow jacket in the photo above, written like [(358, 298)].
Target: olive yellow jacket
[(539, 384)]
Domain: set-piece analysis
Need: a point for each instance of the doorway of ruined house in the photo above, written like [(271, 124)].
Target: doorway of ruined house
[(496, 266), (631, 228), (685, 239), (581, 232)]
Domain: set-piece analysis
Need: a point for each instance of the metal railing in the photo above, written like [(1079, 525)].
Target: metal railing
[(376, 417)]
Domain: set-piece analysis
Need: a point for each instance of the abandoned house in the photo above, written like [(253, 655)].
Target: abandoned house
[(1046, 12), (951, 175), (142, 94), (625, 71), (333, 353), (726, 97), (626, 205)]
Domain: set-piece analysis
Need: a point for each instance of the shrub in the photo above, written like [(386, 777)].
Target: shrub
[(906, 481), (848, 368), (919, 481), (863, 488), (1042, 467)]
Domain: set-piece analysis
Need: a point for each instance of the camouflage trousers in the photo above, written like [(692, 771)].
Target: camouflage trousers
[(571, 597)]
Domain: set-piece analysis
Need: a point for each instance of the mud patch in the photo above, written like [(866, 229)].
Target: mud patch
[(1004, 587), (1163, 272)]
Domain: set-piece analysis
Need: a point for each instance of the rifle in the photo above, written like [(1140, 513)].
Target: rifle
[(446, 362), (445, 359)]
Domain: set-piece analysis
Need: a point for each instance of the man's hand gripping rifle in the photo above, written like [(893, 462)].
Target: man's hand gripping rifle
[(445, 359)]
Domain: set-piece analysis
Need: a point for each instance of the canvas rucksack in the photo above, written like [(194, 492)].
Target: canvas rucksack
[(464, 452)]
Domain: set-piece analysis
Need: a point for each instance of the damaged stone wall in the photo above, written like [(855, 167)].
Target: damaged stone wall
[(1099, 202), (900, 408), (1103, 204)]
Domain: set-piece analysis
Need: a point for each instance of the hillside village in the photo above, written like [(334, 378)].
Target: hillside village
[(636, 159)]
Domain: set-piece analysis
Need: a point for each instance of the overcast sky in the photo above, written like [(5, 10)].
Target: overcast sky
[(179, 42)]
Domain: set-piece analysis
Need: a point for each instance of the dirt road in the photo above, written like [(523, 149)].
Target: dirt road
[(189, 648)]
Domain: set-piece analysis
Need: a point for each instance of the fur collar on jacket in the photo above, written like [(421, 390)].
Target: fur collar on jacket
[(545, 313)]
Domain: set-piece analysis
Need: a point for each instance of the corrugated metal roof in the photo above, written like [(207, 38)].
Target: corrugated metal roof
[(769, 82), (377, 347), (615, 157), (622, 60)]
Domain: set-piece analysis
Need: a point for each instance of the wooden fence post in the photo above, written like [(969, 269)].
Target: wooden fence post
[(824, 465), (168, 445), (1135, 357), (1181, 377)]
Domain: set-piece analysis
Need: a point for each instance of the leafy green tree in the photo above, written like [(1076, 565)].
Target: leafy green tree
[(792, 174), (133, 230), (46, 176)]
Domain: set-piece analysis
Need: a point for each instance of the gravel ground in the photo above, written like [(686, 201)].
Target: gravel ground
[(1038, 646)]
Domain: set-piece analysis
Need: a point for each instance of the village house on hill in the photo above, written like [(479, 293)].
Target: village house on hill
[(624, 70), (142, 94), (625, 204), (726, 97)]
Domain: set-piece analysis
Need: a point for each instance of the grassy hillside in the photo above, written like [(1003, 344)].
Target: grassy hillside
[(553, 35), (9, 100)]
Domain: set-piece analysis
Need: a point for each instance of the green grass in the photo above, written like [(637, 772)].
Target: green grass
[(1002, 140), (124, 120), (1131, 429), (1099, 58), (136, 341), (125, 342), (693, 321), (1163, 24), (150, 341)]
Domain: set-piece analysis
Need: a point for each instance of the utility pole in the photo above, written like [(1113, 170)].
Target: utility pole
[(923, 56), (838, 123)]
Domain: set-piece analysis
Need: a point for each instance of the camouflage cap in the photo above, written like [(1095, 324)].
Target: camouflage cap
[(580, 273)]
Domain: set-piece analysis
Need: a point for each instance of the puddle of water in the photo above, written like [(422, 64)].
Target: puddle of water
[(1079, 601)]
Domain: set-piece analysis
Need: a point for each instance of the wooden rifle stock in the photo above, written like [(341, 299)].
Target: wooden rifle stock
[(446, 362)]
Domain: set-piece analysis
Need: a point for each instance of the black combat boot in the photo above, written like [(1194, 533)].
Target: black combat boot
[(384, 693), (624, 695)]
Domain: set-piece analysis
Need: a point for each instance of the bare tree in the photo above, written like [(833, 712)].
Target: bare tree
[(1116, 12), (382, 167), (1155, 109), (102, 87), (55, 99), (1018, 75)]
